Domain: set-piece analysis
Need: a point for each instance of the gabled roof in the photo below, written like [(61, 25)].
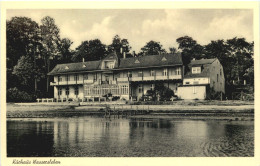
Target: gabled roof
[(202, 61), (75, 67), (111, 56), (205, 71), (151, 61), (125, 63)]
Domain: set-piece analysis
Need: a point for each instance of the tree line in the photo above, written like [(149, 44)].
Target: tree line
[(35, 49)]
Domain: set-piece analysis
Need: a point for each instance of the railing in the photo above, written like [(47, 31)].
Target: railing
[(89, 81), (175, 77), (122, 79), (137, 79), (161, 77), (148, 78)]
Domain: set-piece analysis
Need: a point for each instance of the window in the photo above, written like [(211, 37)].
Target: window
[(178, 71), (76, 90), (88, 90), (59, 78), (187, 82), (217, 77), (67, 78), (67, 91), (152, 73), (124, 89), (152, 86), (140, 74), (196, 70), (95, 76), (109, 65), (85, 76), (165, 72), (129, 74), (140, 88), (76, 77), (220, 72), (60, 91)]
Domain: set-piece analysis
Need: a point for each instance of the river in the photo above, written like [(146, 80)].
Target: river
[(133, 137)]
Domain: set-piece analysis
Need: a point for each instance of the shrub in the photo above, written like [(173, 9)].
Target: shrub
[(16, 95)]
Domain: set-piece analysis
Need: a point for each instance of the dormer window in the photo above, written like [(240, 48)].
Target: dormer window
[(196, 70), (109, 64), (137, 61), (66, 67), (84, 66), (164, 59)]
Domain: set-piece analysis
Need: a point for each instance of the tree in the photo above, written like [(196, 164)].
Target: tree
[(190, 49), (90, 51), (50, 40), (117, 44), (65, 53), (161, 91), (23, 39), (241, 52), (173, 50), (152, 48), (27, 72)]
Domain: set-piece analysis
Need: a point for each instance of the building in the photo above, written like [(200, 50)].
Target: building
[(204, 75), (127, 78)]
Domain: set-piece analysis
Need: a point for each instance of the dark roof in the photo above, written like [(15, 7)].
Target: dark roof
[(202, 61), (75, 67), (134, 62), (205, 71), (151, 61)]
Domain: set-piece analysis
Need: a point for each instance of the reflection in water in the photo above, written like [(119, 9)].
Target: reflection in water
[(88, 136)]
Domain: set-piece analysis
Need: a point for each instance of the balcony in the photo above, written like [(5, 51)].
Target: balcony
[(125, 79), (161, 77), (66, 83), (137, 79), (150, 78), (89, 81), (175, 77)]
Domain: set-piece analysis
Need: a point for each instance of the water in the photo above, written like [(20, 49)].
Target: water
[(93, 136)]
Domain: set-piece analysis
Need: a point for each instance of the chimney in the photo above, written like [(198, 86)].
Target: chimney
[(121, 50), (83, 59), (124, 55), (133, 54)]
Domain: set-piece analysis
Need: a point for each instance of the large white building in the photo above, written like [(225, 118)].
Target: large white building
[(127, 78), (130, 78)]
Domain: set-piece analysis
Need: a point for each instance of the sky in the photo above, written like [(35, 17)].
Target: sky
[(140, 26)]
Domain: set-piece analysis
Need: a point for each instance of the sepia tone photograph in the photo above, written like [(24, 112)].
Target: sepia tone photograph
[(129, 83)]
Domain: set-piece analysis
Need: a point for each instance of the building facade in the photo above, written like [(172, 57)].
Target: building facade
[(126, 78), (204, 75)]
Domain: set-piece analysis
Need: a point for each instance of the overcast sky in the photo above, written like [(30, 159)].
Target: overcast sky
[(141, 26)]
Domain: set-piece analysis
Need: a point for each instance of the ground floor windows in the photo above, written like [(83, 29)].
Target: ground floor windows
[(59, 91), (140, 88), (152, 86), (124, 89), (106, 89), (67, 91), (76, 90)]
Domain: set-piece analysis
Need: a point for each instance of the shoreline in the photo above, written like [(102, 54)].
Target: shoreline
[(242, 111)]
